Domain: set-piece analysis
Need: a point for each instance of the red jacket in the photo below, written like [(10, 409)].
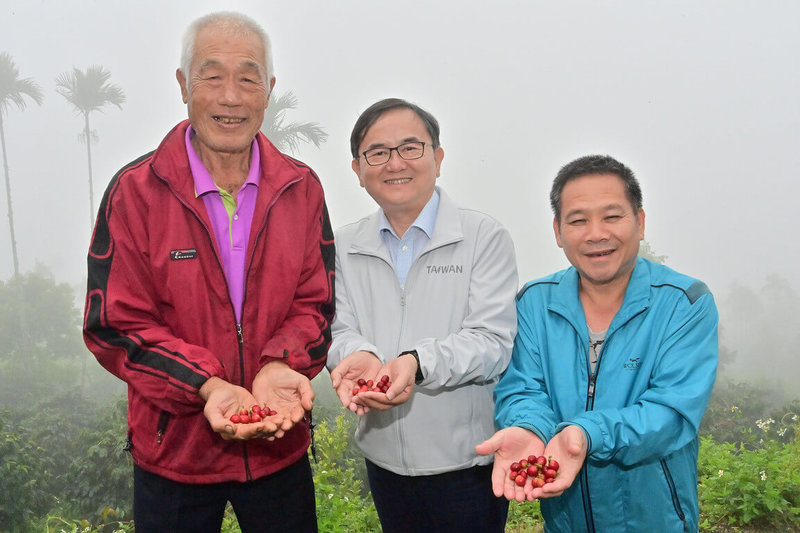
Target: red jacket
[(158, 314)]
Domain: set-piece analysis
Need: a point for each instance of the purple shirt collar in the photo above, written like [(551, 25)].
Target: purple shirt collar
[(203, 182)]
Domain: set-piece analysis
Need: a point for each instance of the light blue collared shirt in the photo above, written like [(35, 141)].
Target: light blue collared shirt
[(405, 250)]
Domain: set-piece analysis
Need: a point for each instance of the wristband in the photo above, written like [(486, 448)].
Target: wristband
[(419, 377)]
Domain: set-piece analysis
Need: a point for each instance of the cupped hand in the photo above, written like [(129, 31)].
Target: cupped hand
[(568, 447), (286, 391), (224, 400), (402, 372), (509, 445), (344, 378)]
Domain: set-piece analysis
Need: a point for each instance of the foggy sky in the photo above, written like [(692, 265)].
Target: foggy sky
[(700, 98)]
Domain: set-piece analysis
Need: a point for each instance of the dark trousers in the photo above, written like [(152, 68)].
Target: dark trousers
[(281, 502), (458, 502)]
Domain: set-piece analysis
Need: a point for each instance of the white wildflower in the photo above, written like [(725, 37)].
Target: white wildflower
[(763, 475), (782, 432), (764, 425), (721, 472), (330, 496), (734, 409)]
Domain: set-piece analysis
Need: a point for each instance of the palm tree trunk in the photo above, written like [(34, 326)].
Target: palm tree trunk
[(88, 133), (8, 198)]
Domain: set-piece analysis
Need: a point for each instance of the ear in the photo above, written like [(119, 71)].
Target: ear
[(557, 231), (269, 91), (640, 223), (357, 169), (182, 82), (438, 155)]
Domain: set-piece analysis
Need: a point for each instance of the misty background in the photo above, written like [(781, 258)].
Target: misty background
[(700, 98)]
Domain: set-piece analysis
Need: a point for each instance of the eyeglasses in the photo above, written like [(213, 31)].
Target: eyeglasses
[(407, 151)]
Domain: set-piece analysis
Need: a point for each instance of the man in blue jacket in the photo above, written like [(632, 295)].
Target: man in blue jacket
[(611, 372)]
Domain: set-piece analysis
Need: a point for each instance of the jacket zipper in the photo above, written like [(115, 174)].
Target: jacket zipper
[(673, 492), (240, 342), (587, 501), (401, 435), (239, 331)]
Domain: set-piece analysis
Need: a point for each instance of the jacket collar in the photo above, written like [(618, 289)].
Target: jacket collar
[(171, 165), (447, 230), (567, 303)]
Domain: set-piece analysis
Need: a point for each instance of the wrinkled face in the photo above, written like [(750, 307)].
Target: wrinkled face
[(399, 186), (227, 91), (599, 230)]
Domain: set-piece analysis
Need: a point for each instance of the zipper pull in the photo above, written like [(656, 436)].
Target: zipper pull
[(239, 334), (592, 379)]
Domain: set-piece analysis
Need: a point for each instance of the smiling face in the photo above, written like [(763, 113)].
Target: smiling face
[(227, 91), (401, 187), (599, 230)]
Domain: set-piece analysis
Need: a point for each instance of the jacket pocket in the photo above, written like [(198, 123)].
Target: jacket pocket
[(161, 428), (673, 492)]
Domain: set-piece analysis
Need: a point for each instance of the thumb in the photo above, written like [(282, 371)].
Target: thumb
[(336, 378), (490, 445)]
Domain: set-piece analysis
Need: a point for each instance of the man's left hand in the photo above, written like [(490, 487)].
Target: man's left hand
[(568, 447), (286, 391), (401, 371)]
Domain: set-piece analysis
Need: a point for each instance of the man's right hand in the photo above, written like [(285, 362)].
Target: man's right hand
[(344, 377), (224, 400), (509, 445)]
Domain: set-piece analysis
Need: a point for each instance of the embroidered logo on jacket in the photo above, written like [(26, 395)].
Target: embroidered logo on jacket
[(178, 255), (632, 364), (445, 269)]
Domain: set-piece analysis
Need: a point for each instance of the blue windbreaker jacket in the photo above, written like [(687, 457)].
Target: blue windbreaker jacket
[(651, 387)]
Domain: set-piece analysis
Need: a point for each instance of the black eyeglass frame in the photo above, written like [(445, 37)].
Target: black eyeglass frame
[(396, 149)]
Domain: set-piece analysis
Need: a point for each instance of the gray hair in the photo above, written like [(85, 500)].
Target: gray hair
[(232, 23)]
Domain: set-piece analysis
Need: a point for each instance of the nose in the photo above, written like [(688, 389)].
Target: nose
[(395, 162), (230, 93), (596, 230)]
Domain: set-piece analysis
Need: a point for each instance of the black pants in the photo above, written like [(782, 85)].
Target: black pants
[(460, 502), (281, 502)]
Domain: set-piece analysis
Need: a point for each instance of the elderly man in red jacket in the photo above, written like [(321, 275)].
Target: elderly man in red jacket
[(210, 290)]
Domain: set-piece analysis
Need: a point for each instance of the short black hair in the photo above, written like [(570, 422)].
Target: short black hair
[(595, 164), (376, 110)]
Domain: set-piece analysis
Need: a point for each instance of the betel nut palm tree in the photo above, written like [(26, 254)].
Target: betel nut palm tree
[(13, 89), (287, 136), (89, 91)]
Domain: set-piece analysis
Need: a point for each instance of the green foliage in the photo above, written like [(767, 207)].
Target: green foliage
[(110, 523), (737, 409), (750, 486), (524, 517), (24, 490), (341, 505), (99, 476)]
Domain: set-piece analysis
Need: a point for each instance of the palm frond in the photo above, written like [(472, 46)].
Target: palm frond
[(288, 136), (89, 90), (13, 89)]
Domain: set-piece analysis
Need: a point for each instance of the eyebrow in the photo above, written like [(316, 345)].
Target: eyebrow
[(384, 145), (605, 209), (210, 63)]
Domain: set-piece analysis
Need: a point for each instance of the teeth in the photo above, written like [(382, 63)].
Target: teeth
[(226, 120), (398, 182)]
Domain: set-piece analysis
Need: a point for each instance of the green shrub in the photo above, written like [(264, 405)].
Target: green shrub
[(754, 486), (341, 501), (524, 517)]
